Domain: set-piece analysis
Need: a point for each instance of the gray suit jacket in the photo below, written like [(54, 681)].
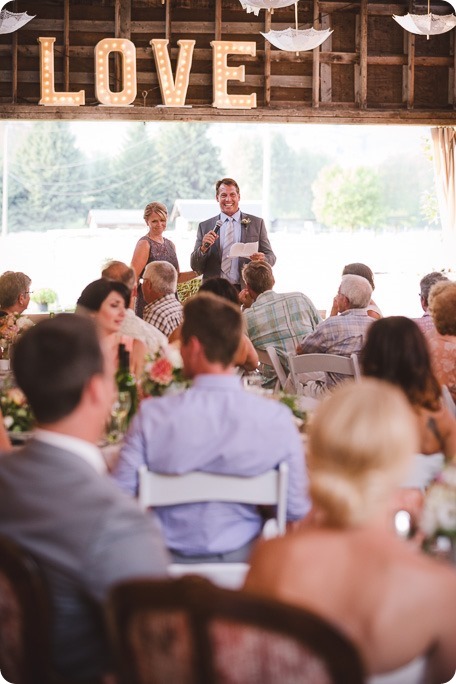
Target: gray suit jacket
[(86, 535), (209, 264)]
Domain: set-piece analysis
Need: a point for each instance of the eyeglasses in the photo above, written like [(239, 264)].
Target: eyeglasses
[(28, 292)]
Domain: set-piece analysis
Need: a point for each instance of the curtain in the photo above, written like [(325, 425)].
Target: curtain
[(444, 147)]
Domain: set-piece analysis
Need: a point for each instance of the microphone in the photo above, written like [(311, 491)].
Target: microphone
[(216, 230)]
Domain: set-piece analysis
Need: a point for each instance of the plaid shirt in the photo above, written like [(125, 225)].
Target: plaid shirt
[(342, 335), (165, 313), (281, 320)]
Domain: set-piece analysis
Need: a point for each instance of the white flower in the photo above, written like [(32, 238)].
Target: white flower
[(8, 421), (23, 323), (174, 356)]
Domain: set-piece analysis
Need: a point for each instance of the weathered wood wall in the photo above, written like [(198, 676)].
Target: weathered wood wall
[(370, 70)]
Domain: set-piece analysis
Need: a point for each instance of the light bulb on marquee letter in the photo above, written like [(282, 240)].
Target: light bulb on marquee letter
[(102, 91), (173, 91), (48, 94), (222, 73)]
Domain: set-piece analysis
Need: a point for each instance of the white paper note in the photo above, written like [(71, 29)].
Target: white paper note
[(243, 249)]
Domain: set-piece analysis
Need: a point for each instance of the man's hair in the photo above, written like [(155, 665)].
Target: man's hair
[(162, 276), (395, 350), (442, 306), (155, 208), (360, 269), (258, 276), (12, 284), (216, 323), (221, 287), (226, 181), (357, 290), (428, 281), (93, 296), (52, 363), (117, 270)]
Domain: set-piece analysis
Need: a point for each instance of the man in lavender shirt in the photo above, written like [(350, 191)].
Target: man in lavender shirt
[(218, 427), (425, 323)]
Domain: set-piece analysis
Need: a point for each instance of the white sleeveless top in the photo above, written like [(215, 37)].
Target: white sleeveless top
[(412, 673)]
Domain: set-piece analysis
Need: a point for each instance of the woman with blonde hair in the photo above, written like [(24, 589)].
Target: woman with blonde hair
[(155, 247), (396, 605)]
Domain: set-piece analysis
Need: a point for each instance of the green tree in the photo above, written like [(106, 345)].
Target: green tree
[(49, 170), (186, 165), (348, 198), (404, 182), (132, 183)]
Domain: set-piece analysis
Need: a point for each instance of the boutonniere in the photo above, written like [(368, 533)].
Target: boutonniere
[(245, 221)]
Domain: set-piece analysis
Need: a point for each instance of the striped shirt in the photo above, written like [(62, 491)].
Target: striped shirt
[(165, 313)]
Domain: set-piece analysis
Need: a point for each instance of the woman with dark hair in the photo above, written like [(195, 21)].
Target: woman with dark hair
[(396, 350), (246, 357), (107, 301)]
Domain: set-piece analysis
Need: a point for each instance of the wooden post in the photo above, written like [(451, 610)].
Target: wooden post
[(453, 81), (218, 20), (316, 59), (363, 55), (267, 60), (66, 45), (168, 20), (14, 63), (122, 29)]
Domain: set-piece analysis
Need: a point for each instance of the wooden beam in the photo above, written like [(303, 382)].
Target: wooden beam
[(363, 55), (316, 59), (337, 113), (267, 60), (453, 81), (325, 69)]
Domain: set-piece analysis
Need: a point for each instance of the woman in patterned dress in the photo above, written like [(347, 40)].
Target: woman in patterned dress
[(155, 247)]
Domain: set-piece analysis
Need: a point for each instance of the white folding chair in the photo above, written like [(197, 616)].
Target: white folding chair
[(448, 400), (271, 358), (269, 488), (327, 363)]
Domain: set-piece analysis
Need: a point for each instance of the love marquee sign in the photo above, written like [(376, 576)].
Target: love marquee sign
[(173, 87)]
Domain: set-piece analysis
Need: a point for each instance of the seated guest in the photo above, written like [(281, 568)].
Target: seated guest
[(396, 351), (163, 309), (442, 340), (345, 333), (425, 323), (397, 606), (273, 319), (107, 302), (132, 325), (365, 272), (54, 501), (14, 292), (246, 356), (215, 427)]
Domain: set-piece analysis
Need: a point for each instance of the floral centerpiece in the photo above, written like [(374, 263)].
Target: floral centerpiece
[(162, 372), (11, 327), (439, 511), (17, 414)]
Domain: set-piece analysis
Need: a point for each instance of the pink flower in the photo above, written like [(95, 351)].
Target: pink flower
[(161, 371), (16, 396)]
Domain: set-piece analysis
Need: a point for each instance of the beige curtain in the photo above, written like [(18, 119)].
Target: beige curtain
[(444, 147)]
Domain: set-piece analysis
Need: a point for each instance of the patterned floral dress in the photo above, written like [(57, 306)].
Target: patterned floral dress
[(157, 252)]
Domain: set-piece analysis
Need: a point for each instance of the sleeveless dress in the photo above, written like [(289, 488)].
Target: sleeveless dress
[(157, 252)]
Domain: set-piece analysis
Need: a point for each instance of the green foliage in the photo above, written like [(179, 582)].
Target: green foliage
[(403, 180), (186, 165), (348, 198), (44, 296), (49, 171)]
